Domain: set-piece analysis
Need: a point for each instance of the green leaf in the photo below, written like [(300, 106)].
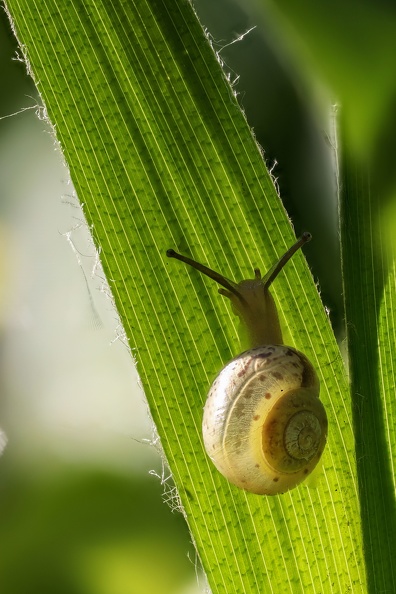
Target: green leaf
[(370, 280), (161, 156)]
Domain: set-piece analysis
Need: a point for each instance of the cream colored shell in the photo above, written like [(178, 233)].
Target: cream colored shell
[(264, 426)]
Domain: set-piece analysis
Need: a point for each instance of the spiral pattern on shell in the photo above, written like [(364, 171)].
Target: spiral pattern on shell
[(264, 426)]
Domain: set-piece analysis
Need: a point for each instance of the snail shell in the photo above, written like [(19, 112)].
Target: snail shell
[(264, 426)]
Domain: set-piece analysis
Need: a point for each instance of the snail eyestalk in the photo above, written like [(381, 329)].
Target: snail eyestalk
[(219, 278), (275, 270)]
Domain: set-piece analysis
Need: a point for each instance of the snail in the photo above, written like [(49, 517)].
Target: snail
[(264, 427)]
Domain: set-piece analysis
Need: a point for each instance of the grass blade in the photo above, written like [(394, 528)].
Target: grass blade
[(161, 156)]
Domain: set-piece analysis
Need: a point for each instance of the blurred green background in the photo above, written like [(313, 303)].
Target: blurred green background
[(80, 510)]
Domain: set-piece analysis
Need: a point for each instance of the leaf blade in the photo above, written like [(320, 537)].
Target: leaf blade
[(126, 99)]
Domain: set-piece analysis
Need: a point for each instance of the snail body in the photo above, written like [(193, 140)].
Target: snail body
[(263, 427)]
